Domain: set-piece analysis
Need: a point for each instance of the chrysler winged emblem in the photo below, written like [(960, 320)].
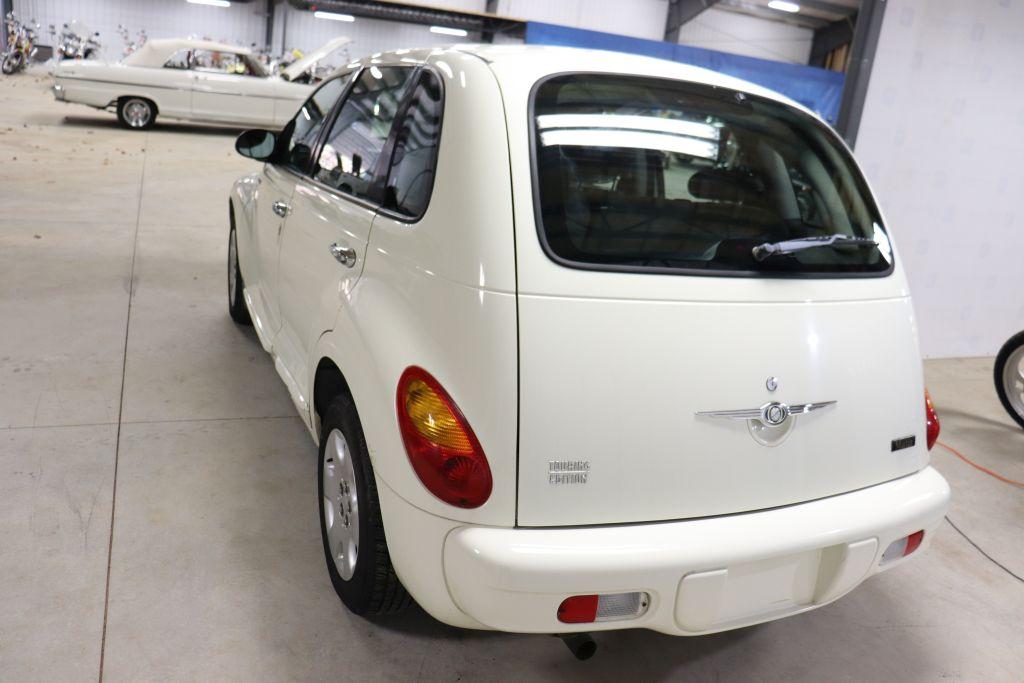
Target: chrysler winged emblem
[(772, 414), (770, 424)]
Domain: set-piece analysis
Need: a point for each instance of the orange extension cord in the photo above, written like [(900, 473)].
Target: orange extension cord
[(1012, 482)]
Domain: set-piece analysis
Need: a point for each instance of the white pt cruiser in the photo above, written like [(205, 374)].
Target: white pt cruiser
[(587, 341)]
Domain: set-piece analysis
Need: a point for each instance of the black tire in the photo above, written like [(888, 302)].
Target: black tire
[(1013, 344), (236, 293), (126, 108), (373, 588)]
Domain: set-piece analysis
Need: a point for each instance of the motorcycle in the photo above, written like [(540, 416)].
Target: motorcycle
[(75, 42), (21, 45), (1009, 377), (130, 45)]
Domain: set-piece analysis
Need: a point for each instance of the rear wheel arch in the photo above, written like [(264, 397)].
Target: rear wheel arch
[(328, 382)]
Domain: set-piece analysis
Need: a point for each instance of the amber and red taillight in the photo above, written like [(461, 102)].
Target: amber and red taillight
[(931, 421), (442, 448)]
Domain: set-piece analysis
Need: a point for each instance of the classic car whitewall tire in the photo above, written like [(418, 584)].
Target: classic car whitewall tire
[(350, 519), (136, 113), (236, 286)]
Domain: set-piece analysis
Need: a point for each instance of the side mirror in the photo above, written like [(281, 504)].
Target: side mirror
[(256, 144)]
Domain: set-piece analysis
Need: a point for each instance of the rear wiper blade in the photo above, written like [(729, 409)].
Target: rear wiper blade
[(769, 249)]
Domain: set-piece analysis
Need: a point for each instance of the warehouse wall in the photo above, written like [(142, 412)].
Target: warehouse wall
[(241, 23), (942, 138), (300, 29), (638, 18), (718, 29)]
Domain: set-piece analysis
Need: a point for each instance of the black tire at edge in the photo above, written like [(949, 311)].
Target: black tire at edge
[(1011, 345), (374, 588), (236, 307)]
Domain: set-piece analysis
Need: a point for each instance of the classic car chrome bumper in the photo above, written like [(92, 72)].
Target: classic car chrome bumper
[(58, 92)]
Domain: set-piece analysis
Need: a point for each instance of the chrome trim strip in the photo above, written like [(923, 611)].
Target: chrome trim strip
[(200, 91), (772, 413)]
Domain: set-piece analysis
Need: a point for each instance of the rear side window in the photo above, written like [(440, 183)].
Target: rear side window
[(179, 60), (636, 173), (413, 164), (302, 132), (349, 158)]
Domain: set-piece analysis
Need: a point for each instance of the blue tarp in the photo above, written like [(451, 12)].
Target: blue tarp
[(817, 89)]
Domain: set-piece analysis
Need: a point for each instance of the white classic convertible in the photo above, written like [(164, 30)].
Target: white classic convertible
[(587, 341), (191, 79)]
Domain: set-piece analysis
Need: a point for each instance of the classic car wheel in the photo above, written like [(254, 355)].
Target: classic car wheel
[(236, 286), (1009, 377), (350, 520), (136, 113)]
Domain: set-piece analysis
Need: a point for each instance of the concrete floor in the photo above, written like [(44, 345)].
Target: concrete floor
[(118, 362)]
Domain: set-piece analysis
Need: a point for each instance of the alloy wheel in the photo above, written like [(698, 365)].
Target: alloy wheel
[(137, 113), (341, 504)]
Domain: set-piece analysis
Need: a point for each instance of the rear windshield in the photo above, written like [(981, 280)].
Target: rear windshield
[(649, 174)]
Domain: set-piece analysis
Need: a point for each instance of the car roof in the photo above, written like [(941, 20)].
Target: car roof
[(157, 52), (538, 61)]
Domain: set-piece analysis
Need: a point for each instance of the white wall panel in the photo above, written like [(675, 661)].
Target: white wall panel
[(741, 34), (304, 31), (942, 139), (638, 18), (243, 24)]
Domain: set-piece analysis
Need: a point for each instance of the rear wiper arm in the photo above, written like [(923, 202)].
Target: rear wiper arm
[(769, 249)]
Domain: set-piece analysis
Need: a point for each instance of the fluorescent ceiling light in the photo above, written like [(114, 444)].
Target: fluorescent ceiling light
[(444, 30), (784, 6), (651, 124), (629, 139), (333, 16), (212, 3)]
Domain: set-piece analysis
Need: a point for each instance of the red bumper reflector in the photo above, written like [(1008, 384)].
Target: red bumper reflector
[(579, 609), (913, 542), (902, 547)]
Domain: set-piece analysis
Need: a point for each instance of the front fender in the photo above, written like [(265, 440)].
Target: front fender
[(243, 202)]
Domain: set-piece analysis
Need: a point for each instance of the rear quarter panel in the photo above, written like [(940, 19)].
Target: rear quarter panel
[(97, 84), (440, 293)]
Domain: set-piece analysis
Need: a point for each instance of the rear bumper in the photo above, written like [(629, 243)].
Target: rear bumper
[(702, 575)]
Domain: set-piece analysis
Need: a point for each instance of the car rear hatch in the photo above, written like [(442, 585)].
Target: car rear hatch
[(641, 306)]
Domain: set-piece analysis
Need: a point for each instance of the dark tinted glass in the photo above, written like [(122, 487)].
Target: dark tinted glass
[(411, 177), (648, 173), (300, 135), (348, 160)]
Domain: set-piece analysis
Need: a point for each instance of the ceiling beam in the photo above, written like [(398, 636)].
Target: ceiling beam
[(830, 37), (680, 12), (392, 10), (858, 74), (827, 7), (763, 12)]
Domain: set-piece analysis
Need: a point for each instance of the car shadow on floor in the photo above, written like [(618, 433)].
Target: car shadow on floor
[(158, 127), (661, 654)]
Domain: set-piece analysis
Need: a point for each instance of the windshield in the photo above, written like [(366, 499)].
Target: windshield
[(652, 174)]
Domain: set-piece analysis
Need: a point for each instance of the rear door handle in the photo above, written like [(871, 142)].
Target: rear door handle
[(282, 209), (346, 256)]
